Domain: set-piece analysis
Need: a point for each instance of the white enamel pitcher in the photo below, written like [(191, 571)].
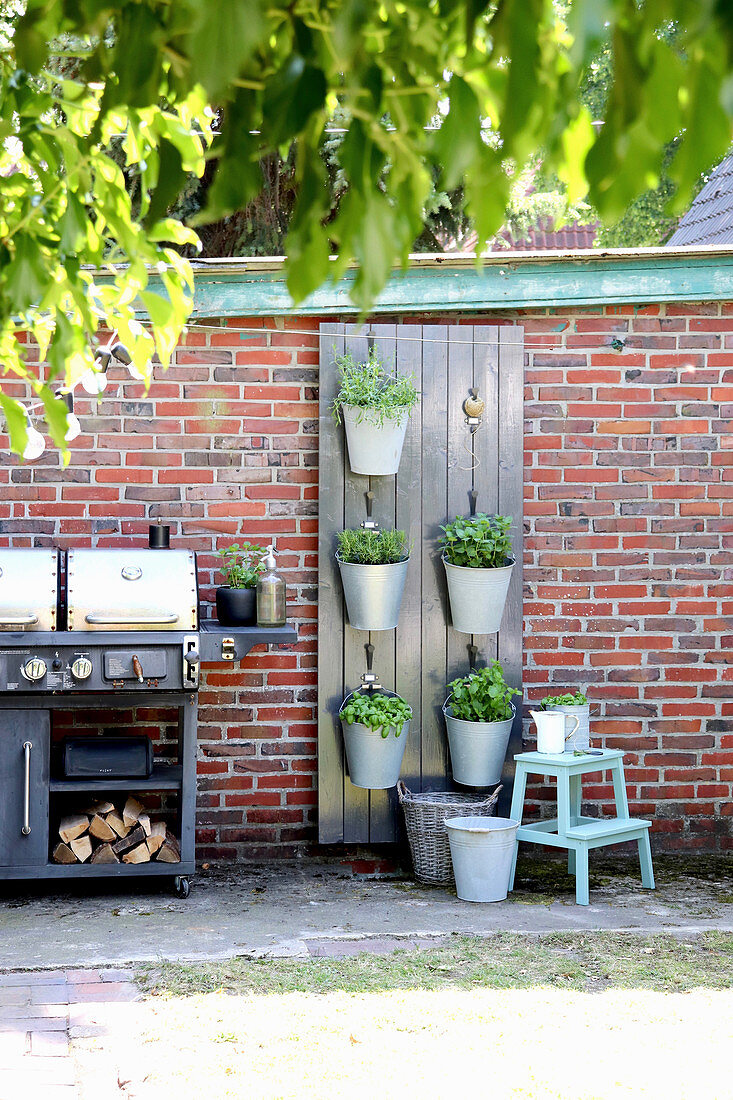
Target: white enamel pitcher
[(552, 730)]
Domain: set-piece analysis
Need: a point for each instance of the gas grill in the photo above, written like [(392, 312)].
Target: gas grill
[(94, 629)]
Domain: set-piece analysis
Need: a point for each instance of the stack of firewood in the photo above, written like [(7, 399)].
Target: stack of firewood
[(105, 834)]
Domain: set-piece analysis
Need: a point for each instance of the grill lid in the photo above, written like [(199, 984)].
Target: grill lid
[(132, 590), (28, 589)]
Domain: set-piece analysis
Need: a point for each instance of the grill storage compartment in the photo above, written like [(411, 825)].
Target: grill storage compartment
[(111, 590), (28, 589)]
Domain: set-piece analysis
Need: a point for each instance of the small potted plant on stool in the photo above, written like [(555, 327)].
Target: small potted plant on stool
[(236, 601)]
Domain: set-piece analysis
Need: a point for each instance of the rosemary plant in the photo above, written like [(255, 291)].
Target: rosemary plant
[(369, 386), (365, 547)]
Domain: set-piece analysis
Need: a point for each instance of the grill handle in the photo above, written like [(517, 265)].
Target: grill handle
[(19, 618), (27, 746), (121, 618)]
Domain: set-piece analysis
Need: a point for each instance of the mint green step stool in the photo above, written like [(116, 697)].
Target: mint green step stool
[(569, 829)]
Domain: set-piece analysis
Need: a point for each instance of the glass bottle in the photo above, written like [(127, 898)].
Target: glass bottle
[(270, 594)]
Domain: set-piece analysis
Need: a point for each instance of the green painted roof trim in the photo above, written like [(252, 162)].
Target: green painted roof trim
[(432, 284)]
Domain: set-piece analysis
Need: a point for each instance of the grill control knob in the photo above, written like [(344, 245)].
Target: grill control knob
[(35, 669), (81, 668)]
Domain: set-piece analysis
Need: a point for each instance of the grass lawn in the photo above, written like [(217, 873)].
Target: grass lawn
[(571, 1016)]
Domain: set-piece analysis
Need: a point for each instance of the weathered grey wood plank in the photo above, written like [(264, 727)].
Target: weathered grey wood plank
[(485, 443), (460, 380), (434, 748), (381, 813), (409, 519), (511, 502), (356, 799), (330, 615)]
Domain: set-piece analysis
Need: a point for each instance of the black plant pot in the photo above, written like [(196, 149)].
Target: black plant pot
[(236, 606)]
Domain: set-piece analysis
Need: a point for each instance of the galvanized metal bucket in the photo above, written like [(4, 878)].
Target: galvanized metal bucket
[(373, 593), (579, 740), (477, 749), (477, 597), (482, 850), (374, 761), (374, 447)]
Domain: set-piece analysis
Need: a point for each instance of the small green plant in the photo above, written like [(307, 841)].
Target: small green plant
[(377, 712), (479, 542), (367, 547), (567, 700), (482, 696), (369, 386), (242, 565)]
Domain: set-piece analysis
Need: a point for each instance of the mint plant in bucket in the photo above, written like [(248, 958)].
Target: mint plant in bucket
[(477, 555), (373, 567), (479, 713), (575, 705), (236, 601), (375, 726), (375, 407)]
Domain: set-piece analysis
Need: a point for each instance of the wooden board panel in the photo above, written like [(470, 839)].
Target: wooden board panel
[(434, 482)]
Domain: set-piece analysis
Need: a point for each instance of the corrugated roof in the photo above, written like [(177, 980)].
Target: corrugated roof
[(710, 218)]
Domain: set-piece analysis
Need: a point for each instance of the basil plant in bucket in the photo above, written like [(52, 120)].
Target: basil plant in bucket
[(479, 714), (575, 705), (373, 567), (375, 407), (375, 726), (236, 601), (478, 560)]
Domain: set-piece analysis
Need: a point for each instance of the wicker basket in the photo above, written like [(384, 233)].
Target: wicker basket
[(425, 815)]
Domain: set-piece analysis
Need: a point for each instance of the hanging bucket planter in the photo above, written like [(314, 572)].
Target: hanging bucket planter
[(477, 749), (374, 440), (373, 593), (482, 850), (477, 597), (374, 753)]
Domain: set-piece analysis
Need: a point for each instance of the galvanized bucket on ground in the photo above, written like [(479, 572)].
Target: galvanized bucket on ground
[(374, 761), (578, 741), (373, 593), (477, 749), (374, 447), (477, 597), (482, 849)]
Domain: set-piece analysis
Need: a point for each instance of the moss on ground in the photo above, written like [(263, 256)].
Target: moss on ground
[(585, 962)]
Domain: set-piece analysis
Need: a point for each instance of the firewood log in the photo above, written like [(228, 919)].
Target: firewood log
[(156, 839), (170, 851), (104, 853), (81, 847), (101, 830), (102, 808), (137, 855), (127, 843), (131, 812), (144, 820), (62, 853), (72, 826), (115, 822)]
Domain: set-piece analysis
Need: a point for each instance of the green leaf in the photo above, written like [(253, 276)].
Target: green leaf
[(26, 276), (14, 413), (171, 177), (291, 97), (223, 38)]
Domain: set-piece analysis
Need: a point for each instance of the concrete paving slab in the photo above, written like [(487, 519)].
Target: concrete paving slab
[(277, 910)]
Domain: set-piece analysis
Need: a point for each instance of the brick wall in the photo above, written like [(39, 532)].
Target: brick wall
[(629, 581)]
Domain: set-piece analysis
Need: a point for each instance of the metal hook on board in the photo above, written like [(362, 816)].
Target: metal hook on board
[(369, 680), (371, 337), (472, 656), (370, 524), (473, 497)]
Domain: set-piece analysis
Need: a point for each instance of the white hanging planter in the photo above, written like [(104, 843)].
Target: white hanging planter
[(477, 596), (374, 440)]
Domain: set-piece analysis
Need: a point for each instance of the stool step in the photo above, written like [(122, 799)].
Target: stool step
[(609, 826)]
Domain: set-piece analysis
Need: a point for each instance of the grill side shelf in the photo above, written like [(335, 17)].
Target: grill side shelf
[(165, 777), (244, 638)]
